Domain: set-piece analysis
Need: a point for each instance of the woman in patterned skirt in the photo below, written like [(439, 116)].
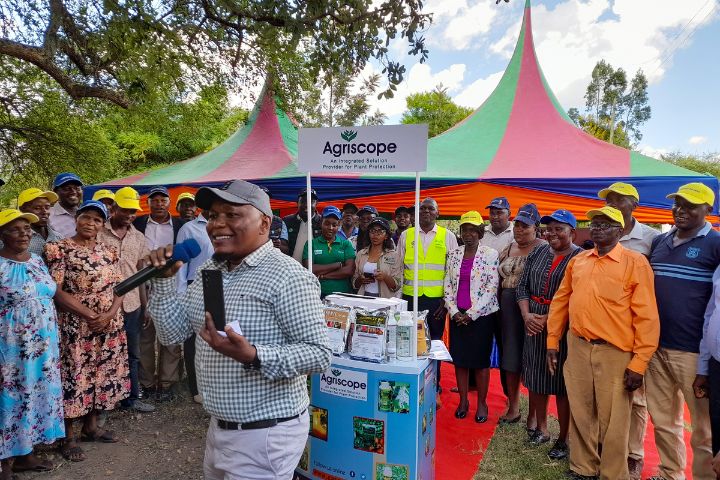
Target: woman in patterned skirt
[(30, 389), (544, 269), (93, 344)]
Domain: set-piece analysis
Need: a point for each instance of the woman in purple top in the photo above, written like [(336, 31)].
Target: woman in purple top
[(471, 284)]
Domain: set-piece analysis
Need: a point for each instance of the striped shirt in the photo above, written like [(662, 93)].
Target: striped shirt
[(683, 285), (277, 303)]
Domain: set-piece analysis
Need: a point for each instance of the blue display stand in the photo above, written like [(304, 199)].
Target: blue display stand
[(371, 421)]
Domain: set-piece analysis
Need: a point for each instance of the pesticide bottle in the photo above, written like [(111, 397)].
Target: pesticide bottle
[(391, 335), (406, 343)]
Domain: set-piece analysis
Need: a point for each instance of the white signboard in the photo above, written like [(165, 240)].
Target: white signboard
[(384, 148), (344, 383)]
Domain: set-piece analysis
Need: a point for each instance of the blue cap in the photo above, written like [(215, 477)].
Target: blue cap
[(562, 216), (528, 214), (96, 205), (332, 211), (65, 177), (499, 202), (368, 208), (158, 190)]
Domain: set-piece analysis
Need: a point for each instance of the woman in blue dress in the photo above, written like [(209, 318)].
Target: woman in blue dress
[(31, 410)]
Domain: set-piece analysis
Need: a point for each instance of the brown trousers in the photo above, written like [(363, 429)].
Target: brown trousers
[(638, 424), (669, 379), (601, 409), (162, 371)]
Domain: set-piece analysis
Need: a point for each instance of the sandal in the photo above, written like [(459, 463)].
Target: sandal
[(72, 454), (107, 436), (43, 466)]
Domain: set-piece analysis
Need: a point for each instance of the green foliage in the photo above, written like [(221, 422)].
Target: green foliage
[(707, 163), (435, 108), (614, 110), (43, 132), (122, 51), (339, 101)]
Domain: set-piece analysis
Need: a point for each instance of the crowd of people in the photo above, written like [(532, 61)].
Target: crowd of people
[(625, 328)]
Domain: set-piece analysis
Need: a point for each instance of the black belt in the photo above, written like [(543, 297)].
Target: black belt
[(596, 341), (225, 425)]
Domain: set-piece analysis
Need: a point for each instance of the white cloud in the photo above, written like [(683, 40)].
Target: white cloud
[(697, 140), (473, 95), (459, 24), (420, 78), (653, 151)]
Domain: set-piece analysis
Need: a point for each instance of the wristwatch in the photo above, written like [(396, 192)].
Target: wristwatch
[(254, 364)]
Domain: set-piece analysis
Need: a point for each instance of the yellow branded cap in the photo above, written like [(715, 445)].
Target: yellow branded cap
[(621, 189), (32, 193), (185, 195), (610, 212), (127, 197), (100, 194), (696, 193), (472, 217), (9, 215)]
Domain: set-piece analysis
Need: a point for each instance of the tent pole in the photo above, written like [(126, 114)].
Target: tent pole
[(308, 200), (416, 279)]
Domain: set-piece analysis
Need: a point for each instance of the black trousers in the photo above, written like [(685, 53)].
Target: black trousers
[(436, 325), (714, 383), (189, 359)]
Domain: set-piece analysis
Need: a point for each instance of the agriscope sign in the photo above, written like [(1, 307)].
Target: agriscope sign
[(386, 148)]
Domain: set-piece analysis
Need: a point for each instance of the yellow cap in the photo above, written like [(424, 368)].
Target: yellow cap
[(696, 193), (100, 194), (610, 212), (127, 197), (621, 189), (32, 193), (472, 217), (7, 216), (185, 195)]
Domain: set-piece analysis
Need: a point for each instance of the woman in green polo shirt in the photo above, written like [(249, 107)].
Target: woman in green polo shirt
[(333, 257)]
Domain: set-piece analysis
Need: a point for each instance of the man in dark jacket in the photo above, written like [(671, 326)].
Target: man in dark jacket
[(297, 224)]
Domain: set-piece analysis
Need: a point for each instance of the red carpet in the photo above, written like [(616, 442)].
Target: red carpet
[(460, 444)]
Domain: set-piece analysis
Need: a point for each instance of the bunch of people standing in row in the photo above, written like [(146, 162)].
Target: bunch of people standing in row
[(623, 329)]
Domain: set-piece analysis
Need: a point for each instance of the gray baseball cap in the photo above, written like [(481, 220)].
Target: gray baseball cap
[(238, 192)]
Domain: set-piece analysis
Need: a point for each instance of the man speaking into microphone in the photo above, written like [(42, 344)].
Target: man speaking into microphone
[(253, 384)]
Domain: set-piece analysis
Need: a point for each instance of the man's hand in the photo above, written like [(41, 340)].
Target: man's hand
[(632, 380), (234, 346), (159, 257), (700, 386), (552, 360)]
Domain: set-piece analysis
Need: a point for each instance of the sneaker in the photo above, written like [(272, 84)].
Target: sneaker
[(142, 407), (539, 438), (164, 395), (635, 467), (198, 399), (558, 451)]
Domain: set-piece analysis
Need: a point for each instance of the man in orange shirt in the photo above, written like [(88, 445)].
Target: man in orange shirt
[(608, 297)]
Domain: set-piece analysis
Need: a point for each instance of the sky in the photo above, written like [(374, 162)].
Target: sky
[(676, 43)]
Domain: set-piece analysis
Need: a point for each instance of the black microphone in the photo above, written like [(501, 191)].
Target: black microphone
[(182, 252)]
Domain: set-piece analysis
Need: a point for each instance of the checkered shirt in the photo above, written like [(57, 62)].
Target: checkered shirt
[(277, 303)]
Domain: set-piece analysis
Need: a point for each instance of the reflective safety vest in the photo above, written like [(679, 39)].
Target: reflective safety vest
[(431, 265)]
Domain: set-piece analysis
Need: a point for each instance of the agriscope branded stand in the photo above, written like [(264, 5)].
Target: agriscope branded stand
[(369, 421)]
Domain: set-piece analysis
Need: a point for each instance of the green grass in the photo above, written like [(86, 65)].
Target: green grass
[(510, 457)]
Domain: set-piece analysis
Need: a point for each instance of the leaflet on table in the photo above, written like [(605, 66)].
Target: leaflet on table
[(439, 351), (368, 336), (337, 322)]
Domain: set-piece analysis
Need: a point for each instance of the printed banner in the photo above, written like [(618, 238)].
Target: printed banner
[(344, 383)]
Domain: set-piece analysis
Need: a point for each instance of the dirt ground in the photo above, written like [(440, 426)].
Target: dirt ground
[(167, 444)]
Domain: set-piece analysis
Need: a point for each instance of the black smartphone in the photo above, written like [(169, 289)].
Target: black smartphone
[(368, 275), (214, 297)]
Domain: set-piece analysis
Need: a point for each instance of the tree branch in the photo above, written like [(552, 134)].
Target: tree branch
[(38, 57)]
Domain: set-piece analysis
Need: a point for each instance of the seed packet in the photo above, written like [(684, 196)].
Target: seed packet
[(423, 334), (368, 336), (337, 323)]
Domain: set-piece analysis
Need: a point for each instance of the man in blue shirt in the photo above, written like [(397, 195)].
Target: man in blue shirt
[(707, 382), (196, 229), (683, 260)]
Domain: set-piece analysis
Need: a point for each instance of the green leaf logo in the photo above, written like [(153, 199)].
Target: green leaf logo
[(348, 135), (336, 372)]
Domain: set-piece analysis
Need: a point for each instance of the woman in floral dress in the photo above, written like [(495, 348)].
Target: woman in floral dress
[(93, 344), (30, 390)]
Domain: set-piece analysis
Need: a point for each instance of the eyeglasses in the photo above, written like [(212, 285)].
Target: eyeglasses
[(603, 226), (377, 231)]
